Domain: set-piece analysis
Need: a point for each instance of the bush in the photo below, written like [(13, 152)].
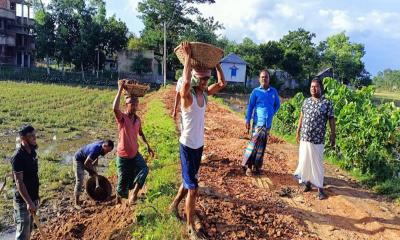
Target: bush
[(368, 136)]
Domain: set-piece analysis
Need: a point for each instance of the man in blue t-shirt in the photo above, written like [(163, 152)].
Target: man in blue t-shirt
[(85, 159), (263, 104)]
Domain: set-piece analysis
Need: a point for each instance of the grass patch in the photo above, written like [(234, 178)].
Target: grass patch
[(287, 138), (153, 219), (53, 177), (75, 115), (388, 95)]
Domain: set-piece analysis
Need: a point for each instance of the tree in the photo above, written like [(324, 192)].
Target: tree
[(272, 54), (141, 64), (177, 14), (135, 43), (203, 30), (298, 45), (291, 63), (343, 56), (250, 52), (45, 38), (388, 79)]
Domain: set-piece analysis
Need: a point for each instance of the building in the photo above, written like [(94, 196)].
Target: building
[(148, 64), (327, 72), (17, 45), (234, 68)]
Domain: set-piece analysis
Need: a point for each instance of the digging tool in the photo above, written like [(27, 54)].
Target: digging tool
[(5, 182), (98, 189), (37, 222)]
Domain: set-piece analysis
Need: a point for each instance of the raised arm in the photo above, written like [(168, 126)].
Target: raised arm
[(220, 84), (19, 177), (116, 103), (187, 76)]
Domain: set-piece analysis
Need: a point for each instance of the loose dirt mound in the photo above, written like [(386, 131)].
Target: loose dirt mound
[(94, 221), (230, 205), (272, 206)]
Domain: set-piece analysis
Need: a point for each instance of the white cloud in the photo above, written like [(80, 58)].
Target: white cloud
[(271, 19)]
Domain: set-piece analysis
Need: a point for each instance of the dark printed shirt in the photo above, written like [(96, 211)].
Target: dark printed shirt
[(26, 163), (315, 116)]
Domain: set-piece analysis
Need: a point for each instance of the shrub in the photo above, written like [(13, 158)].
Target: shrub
[(368, 135)]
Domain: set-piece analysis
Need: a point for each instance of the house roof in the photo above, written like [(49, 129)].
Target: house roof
[(324, 71), (233, 58)]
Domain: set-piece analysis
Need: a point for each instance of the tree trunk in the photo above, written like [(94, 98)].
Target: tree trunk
[(62, 66), (83, 73), (48, 64)]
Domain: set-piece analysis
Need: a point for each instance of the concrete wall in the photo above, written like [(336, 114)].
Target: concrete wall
[(125, 60), (240, 72)]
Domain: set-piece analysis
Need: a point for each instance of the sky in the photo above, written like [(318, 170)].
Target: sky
[(374, 23)]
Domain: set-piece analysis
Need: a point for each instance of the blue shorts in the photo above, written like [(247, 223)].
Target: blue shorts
[(190, 164)]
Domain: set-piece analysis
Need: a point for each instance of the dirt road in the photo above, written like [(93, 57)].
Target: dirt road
[(234, 206)]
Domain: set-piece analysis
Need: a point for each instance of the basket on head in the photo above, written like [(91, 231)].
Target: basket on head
[(204, 56), (133, 88)]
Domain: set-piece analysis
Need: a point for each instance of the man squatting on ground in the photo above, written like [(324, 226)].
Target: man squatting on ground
[(85, 159)]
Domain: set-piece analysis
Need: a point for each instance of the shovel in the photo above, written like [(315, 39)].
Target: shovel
[(5, 182), (98, 189), (37, 222)]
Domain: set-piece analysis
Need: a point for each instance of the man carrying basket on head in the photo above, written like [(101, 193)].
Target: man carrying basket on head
[(132, 169), (193, 107)]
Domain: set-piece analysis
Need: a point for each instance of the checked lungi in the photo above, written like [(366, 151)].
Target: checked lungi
[(254, 153)]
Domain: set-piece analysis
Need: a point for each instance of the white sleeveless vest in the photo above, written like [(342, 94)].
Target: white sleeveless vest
[(192, 134)]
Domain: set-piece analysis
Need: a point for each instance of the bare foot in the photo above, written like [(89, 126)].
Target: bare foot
[(117, 199), (132, 199), (195, 235), (173, 209)]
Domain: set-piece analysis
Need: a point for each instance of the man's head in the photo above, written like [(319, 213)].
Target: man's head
[(27, 135), (264, 78), (107, 146), (202, 76), (316, 88), (132, 104)]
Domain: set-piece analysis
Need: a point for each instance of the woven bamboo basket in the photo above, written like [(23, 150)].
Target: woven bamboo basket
[(134, 89), (204, 56)]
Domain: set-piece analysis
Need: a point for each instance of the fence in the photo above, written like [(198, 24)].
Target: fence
[(104, 78)]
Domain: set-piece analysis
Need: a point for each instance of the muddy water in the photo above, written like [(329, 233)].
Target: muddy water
[(236, 102)]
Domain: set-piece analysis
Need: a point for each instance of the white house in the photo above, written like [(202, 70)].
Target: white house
[(234, 68)]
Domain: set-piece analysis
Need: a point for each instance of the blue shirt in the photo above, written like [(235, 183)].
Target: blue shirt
[(264, 103), (93, 151)]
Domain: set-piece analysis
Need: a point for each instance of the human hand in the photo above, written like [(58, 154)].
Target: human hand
[(150, 151), (31, 208), (187, 51)]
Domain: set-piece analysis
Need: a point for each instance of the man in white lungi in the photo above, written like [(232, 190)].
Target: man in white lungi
[(315, 113)]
